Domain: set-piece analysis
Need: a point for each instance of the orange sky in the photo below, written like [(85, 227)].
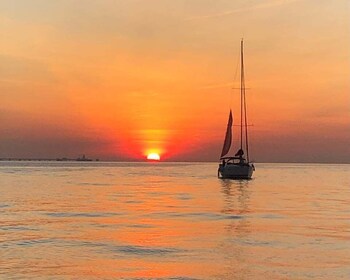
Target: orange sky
[(119, 79)]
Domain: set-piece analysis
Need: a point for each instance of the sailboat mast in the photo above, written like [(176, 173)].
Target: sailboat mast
[(242, 82)]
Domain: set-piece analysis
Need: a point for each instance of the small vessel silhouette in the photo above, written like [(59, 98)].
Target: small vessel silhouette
[(237, 167), (83, 158)]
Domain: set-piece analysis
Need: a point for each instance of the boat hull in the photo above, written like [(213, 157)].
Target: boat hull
[(236, 171)]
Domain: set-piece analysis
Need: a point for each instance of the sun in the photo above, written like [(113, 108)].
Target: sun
[(153, 156)]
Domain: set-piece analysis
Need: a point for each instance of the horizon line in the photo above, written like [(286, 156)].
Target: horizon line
[(168, 161)]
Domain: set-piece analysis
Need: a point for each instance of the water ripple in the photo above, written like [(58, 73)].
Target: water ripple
[(17, 228), (166, 278), (86, 215), (4, 205), (128, 249), (143, 250), (200, 215)]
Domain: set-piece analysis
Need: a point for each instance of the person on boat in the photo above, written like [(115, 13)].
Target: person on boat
[(240, 154)]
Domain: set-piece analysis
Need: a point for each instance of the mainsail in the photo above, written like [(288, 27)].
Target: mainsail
[(228, 136)]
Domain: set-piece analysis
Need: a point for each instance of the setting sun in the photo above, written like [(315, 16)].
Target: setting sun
[(153, 156)]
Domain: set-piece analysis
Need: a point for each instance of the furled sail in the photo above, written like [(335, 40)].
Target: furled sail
[(228, 136)]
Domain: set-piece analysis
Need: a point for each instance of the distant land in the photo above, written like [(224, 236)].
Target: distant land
[(83, 158)]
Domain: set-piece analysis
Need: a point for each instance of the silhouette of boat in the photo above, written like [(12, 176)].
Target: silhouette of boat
[(83, 158), (237, 167)]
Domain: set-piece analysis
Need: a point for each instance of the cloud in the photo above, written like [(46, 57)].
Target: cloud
[(267, 4)]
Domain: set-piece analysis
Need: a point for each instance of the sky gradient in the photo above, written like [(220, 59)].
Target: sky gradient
[(119, 79)]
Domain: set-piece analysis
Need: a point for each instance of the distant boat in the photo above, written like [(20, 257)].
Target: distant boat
[(237, 167), (83, 158)]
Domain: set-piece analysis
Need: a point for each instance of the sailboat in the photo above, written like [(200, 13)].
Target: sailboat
[(237, 166)]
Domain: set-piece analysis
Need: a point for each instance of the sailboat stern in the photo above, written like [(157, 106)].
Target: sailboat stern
[(236, 171)]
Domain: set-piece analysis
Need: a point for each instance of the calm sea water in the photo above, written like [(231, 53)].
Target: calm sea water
[(71, 220)]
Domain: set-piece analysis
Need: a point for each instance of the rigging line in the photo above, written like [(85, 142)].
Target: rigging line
[(234, 81), (236, 71)]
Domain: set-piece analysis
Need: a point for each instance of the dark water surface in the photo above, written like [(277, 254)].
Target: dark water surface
[(71, 220)]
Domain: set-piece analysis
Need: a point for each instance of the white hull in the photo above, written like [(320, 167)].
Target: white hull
[(236, 171)]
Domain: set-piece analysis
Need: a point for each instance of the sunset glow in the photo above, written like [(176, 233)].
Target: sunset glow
[(153, 156), (123, 77)]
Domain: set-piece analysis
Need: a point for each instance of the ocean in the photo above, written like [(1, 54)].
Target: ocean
[(107, 220)]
